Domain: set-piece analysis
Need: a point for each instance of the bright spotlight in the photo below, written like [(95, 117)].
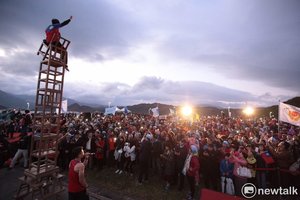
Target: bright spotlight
[(248, 111), (2, 53), (186, 110)]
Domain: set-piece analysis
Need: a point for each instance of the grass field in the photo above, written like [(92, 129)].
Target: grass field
[(125, 186)]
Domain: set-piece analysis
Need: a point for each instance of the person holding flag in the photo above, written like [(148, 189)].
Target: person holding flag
[(53, 34)]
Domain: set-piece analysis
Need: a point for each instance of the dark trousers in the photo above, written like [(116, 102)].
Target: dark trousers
[(128, 165), (110, 158), (192, 183), (156, 164), (210, 181), (120, 163), (99, 163), (62, 161), (239, 182), (181, 181), (261, 179), (143, 171), (78, 196)]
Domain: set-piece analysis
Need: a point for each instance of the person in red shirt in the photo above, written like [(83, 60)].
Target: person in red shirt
[(111, 149), (193, 170), (77, 184), (99, 151)]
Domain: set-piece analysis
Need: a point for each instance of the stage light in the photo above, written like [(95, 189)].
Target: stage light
[(248, 111), (186, 110)]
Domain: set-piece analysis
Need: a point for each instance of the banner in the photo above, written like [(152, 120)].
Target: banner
[(289, 114), (125, 110), (111, 110)]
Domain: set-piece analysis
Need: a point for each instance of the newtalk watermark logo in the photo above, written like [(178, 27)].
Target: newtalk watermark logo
[(249, 191)]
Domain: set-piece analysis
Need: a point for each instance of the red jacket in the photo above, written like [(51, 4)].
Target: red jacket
[(52, 31), (100, 149), (194, 166), (53, 35)]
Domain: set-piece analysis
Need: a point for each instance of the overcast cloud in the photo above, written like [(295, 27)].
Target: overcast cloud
[(170, 51)]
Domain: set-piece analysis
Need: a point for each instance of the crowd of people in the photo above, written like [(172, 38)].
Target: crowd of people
[(220, 153)]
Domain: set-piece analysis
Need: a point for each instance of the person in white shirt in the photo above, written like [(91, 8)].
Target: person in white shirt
[(130, 154)]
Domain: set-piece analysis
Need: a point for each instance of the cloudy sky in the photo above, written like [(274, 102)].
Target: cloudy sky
[(172, 51)]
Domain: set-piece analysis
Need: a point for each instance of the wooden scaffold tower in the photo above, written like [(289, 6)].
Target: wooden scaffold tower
[(42, 179)]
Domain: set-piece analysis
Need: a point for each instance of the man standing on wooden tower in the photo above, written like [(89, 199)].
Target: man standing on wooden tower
[(53, 34)]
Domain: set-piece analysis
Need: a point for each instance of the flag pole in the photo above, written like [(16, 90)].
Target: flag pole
[(279, 116), (278, 170)]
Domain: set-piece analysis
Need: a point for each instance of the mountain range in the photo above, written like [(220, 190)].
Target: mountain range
[(8, 100)]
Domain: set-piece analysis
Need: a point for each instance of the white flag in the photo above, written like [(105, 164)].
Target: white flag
[(111, 110), (64, 106), (172, 111), (289, 114), (155, 112)]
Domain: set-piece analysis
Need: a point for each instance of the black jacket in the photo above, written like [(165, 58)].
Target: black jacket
[(24, 142), (145, 151)]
